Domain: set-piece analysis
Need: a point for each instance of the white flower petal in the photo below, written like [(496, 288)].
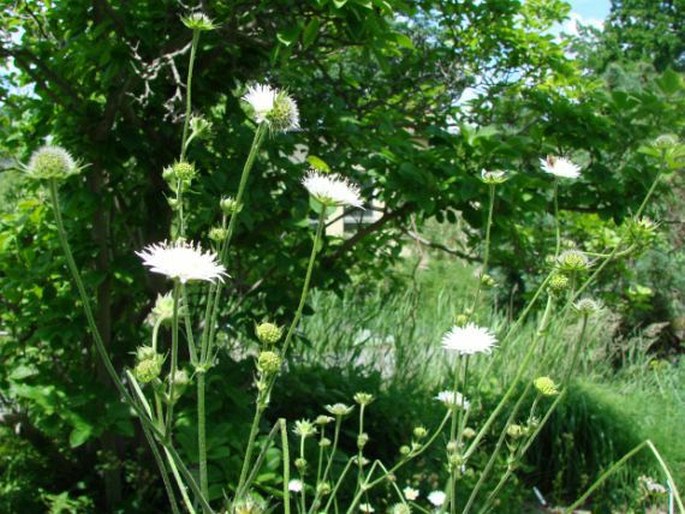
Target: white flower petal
[(332, 189), (560, 167), (261, 97), (182, 261), (452, 399), (469, 339)]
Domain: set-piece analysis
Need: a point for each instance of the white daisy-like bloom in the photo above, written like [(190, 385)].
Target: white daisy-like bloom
[(262, 98), (437, 498), (469, 339), (410, 494), (183, 261), (453, 399), (560, 167), (295, 486), (332, 190)]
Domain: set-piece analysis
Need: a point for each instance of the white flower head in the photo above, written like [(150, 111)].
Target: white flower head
[(560, 167), (332, 190), (493, 177), (469, 339), (295, 486), (410, 494), (274, 107), (366, 507), (453, 399), (437, 498), (183, 261), (261, 97)]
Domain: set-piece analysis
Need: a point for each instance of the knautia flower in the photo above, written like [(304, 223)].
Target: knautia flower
[(339, 409), (228, 205), (494, 177), (437, 498), (366, 507), (453, 399), (469, 339), (183, 261), (322, 420), (410, 494), (295, 486), (273, 107), (332, 190), (164, 308), (572, 261), (269, 362), (546, 386), (560, 167), (51, 162), (148, 364)]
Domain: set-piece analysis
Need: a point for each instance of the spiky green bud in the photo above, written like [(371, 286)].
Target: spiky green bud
[(268, 333), (269, 362), (51, 162)]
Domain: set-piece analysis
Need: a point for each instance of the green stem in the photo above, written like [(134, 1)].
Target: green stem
[(179, 481), (254, 429), (360, 449), (174, 359), (524, 364), (556, 218), (202, 432), (286, 466), (486, 252), (162, 470), (576, 350), (189, 84)]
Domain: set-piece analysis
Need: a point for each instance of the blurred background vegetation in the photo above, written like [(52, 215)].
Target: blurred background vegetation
[(381, 87)]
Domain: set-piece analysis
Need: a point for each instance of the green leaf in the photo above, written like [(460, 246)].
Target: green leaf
[(310, 32), (670, 82), (318, 164), (404, 41), (339, 4), (80, 434), (288, 37)]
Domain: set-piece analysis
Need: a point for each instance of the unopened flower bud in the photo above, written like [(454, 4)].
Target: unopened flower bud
[(545, 386), (420, 432), (461, 320), (163, 309), (249, 505), (493, 177), (405, 450), (218, 234), (228, 205), (455, 460), (199, 126), (148, 364), (487, 280), (268, 362), (362, 439), (452, 447), (324, 442), (323, 488), (558, 283), (300, 464), (400, 508), (51, 162), (515, 431), (198, 21), (268, 333), (469, 433), (284, 114)]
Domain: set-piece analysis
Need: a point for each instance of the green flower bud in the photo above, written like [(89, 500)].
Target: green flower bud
[(452, 447), (363, 398), (461, 320), (323, 488), (199, 126), (545, 386), (179, 174), (558, 283), (269, 362), (515, 431), (163, 309), (249, 505), (487, 280), (641, 232), (148, 364), (51, 162), (362, 439), (420, 432), (324, 442), (455, 460), (268, 333), (228, 205), (300, 464), (400, 508), (469, 433), (405, 450), (218, 234)]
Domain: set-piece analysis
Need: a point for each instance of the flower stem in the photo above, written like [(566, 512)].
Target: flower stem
[(286, 466), (576, 350), (486, 251), (174, 359), (202, 432), (555, 195), (189, 83)]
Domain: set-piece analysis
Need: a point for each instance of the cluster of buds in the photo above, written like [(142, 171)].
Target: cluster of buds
[(558, 283), (269, 362), (268, 333), (641, 232)]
